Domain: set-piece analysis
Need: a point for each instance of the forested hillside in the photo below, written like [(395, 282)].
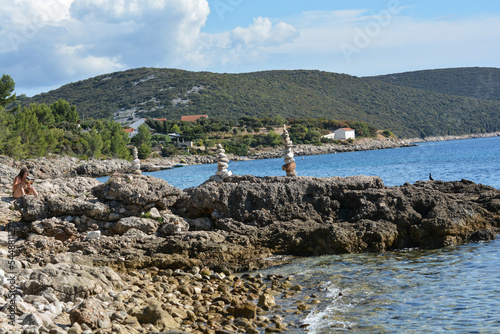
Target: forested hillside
[(477, 82), (170, 93)]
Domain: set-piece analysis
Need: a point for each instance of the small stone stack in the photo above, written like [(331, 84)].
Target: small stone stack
[(222, 161), (136, 163), (289, 165)]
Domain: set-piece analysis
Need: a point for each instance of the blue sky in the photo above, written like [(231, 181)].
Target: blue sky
[(46, 44)]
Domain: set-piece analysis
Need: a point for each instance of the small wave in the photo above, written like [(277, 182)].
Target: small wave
[(330, 318)]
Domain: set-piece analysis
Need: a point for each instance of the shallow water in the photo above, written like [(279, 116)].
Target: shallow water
[(455, 289)]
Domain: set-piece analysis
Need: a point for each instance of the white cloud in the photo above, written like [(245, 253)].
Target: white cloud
[(76, 39), (263, 33), (74, 61)]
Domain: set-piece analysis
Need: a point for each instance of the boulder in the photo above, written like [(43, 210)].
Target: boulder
[(246, 310), (91, 313), (70, 281), (146, 225), (154, 314), (55, 205), (138, 190), (54, 227), (172, 224), (97, 168)]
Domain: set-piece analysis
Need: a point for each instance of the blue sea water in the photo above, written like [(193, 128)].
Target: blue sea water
[(450, 290), (477, 160)]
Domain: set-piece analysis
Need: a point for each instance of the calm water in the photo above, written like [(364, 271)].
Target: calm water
[(477, 160), (451, 290)]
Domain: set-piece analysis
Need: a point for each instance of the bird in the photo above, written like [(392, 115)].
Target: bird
[(430, 177)]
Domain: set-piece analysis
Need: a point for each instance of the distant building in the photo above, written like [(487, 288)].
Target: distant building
[(130, 131), (184, 144), (138, 123), (330, 136), (345, 133), (192, 118), (134, 126)]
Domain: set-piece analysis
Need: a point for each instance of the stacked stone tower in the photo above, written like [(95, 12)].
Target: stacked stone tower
[(136, 163), (222, 163), (289, 165)]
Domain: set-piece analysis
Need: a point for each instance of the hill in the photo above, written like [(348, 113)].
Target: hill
[(476, 82), (171, 93)]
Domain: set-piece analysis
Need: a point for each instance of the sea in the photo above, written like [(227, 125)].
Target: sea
[(451, 290)]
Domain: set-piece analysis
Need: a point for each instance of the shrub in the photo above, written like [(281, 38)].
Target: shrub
[(387, 133)]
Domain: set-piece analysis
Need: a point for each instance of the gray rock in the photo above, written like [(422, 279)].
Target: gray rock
[(172, 224), (138, 190), (36, 319), (97, 168), (69, 281), (148, 226), (154, 314), (4, 238)]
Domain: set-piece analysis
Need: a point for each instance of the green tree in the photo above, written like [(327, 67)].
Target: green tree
[(387, 133), (28, 128), (44, 114), (6, 121), (63, 111), (143, 136), (144, 151), (93, 143), (175, 128), (7, 86), (119, 141)]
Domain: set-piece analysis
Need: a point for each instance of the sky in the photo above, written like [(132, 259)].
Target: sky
[(47, 44)]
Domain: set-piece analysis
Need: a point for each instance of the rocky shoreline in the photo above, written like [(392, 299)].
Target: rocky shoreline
[(57, 166), (137, 255), (451, 137)]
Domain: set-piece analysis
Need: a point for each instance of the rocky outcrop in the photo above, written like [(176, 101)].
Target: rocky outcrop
[(137, 255), (236, 222), (312, 216), (138, 190)]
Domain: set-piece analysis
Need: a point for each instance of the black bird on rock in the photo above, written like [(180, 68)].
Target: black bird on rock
[(430, 177)]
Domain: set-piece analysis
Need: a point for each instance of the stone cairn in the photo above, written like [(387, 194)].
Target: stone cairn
[(289, 165), (222, 161), (136, 163)]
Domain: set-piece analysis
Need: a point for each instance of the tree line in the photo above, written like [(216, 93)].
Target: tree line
[(40, 129)]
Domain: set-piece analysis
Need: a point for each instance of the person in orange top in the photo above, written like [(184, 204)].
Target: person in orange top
[(23, 185)]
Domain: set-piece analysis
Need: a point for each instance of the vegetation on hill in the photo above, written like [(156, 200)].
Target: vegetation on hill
[(300, 94), (41, 129), (476, 82)]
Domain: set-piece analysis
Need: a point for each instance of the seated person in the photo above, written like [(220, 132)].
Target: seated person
[(23, 185)]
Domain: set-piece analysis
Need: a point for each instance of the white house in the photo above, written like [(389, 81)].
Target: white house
[(345, 133)]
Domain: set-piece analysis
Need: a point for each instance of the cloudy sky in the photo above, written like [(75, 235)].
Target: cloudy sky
[(46, 44)]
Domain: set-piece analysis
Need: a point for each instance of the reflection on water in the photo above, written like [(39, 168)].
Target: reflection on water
[(456, 289)]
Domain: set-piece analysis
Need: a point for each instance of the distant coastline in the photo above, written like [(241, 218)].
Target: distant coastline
[(451, 137)]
